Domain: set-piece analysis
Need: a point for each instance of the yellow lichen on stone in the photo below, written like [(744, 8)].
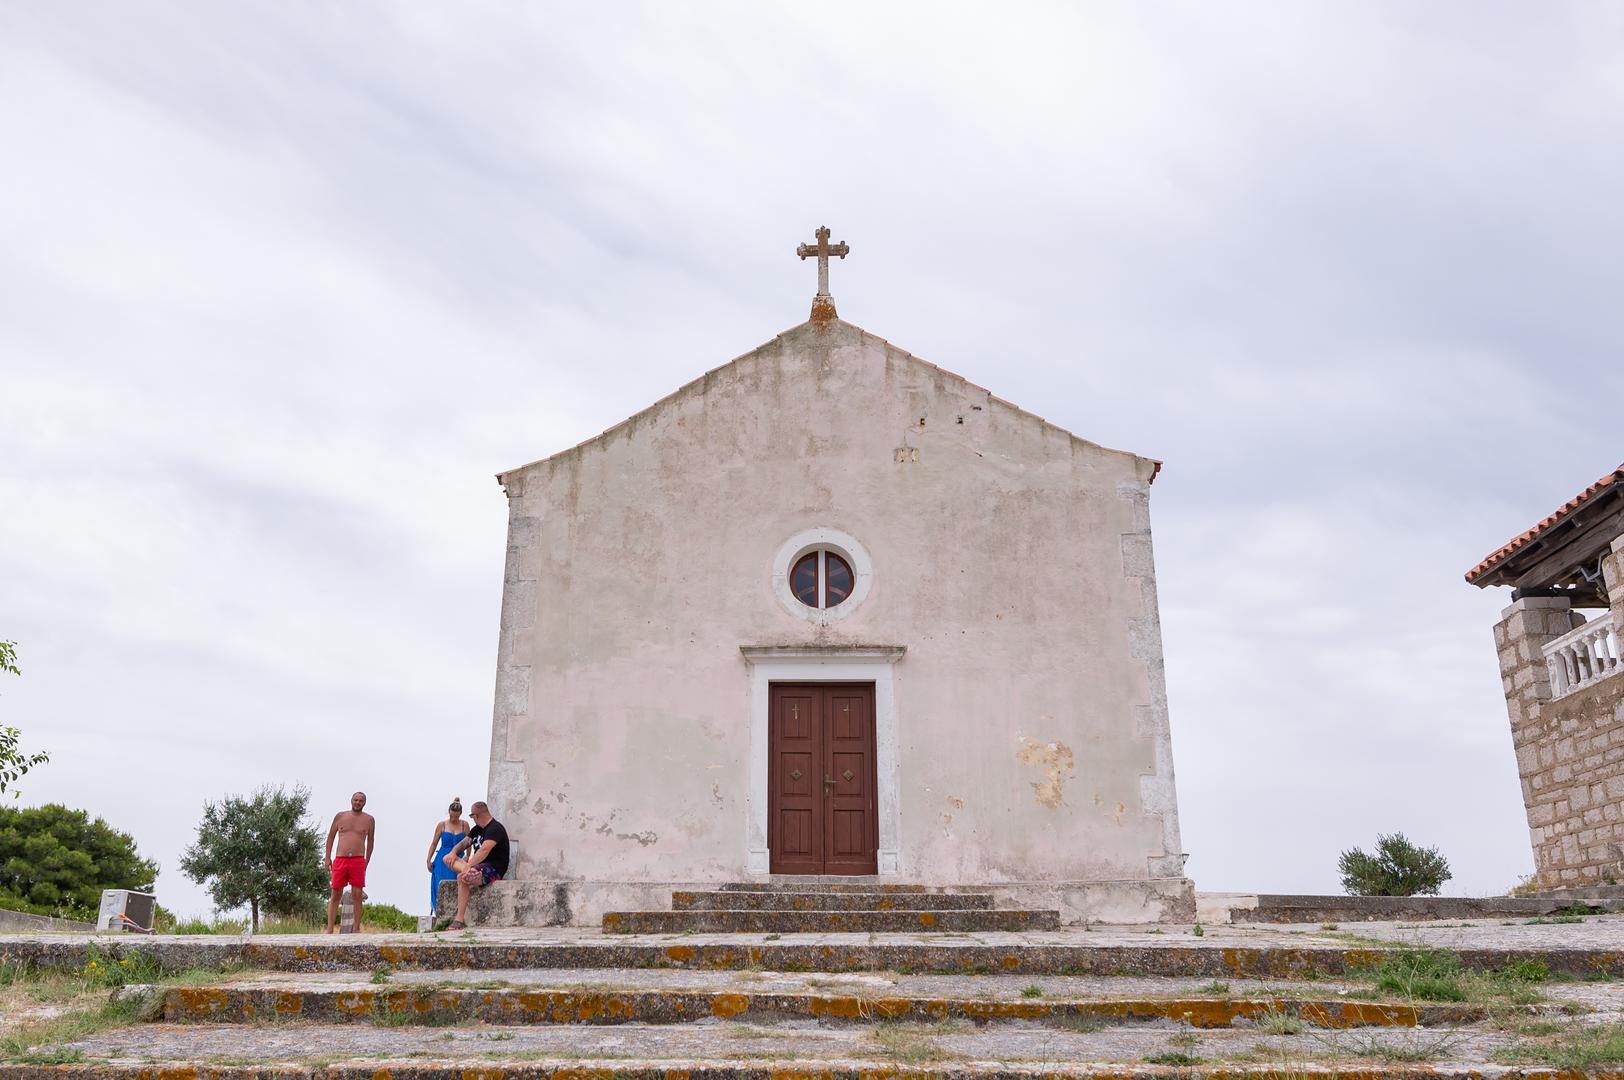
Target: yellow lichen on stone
[(727, 1006), (354, 1002)]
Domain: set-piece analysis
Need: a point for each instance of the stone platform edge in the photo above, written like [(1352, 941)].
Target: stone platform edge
[(23, 922), (701, 1069), (1219, 908), (63, 952), (538, 902)]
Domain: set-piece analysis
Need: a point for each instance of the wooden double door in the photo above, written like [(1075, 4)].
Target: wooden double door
[(822, 780)]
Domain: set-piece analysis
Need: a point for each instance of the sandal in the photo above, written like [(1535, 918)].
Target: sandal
[(457, 924)]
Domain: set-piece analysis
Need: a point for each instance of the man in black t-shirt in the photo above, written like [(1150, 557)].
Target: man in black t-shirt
[(487, 862)]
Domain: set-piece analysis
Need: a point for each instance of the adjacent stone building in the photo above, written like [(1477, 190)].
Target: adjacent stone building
[(831, 610), (1560, 666)]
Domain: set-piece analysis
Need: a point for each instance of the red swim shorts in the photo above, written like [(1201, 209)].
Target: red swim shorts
[(350, 870)]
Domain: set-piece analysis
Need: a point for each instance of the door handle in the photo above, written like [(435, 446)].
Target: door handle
[(830, 780)]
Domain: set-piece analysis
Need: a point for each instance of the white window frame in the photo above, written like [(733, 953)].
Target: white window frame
[(822, 540)]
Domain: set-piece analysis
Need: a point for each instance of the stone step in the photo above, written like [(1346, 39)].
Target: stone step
[(818, 922), (785, 900), (1038, 953), (942, 1050), (834, 885), (443, 1006)]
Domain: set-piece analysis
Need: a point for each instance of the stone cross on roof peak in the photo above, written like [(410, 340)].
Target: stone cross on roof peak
[(823, 305)]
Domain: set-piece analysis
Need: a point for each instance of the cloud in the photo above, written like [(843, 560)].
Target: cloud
[(281, 291)]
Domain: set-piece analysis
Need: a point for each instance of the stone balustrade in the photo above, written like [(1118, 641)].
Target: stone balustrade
[(1583, 656)]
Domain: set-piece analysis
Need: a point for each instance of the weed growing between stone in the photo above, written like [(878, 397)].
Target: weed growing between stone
[(1080, 1023), (1280, 1022), (1421, 975), (84, 991), (384, 1016), (47, 1042), (910, 1043), (1172, 1057), (1576, 1047), (1414, 1045)]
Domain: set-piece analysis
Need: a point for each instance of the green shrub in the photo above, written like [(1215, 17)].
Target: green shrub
[(1398, 868), (56, 861), (388, 917)]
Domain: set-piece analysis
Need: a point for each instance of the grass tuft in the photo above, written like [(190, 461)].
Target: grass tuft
[(1421, 974), (911, 1044), (1280, 1022), (1579, 1047), (1172, 1057)]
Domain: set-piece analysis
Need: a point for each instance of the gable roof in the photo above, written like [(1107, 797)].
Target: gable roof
[(1521, 560), (501, 477)]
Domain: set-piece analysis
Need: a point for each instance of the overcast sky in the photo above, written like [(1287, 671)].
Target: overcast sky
[(283, 285)]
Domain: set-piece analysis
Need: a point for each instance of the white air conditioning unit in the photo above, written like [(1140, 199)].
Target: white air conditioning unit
[(121, 907)]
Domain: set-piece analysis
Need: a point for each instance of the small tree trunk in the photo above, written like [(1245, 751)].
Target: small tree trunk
[(253, 906)]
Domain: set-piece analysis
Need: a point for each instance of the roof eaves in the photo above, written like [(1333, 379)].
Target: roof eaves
[(1528, 536)]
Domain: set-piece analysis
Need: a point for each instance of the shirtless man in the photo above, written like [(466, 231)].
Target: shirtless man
[(354, 830)]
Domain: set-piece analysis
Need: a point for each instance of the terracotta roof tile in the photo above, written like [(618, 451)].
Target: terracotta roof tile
[(1523, 539)]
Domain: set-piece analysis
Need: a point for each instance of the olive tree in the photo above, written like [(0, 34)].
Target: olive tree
[(261, 852), (1398, 868)]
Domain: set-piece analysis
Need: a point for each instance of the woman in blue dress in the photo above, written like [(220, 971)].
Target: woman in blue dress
[(446, 835)]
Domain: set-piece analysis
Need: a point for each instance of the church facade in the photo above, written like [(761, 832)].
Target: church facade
[(831, 610)]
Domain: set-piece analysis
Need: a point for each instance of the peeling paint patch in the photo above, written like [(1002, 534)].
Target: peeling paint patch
[(1054, 760), (645, 838)]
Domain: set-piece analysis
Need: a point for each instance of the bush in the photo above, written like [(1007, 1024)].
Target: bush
[(388, 917), (56, 861), (1398, 868)]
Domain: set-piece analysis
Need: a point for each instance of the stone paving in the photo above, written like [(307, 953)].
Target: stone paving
[(1597, 932), (1604, 999), (1593, 945), (716, 1040), (1024, 991)]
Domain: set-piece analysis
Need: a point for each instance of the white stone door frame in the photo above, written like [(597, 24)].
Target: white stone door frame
[(814, 664)]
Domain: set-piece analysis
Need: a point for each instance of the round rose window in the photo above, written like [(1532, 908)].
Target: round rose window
[(821, 579)]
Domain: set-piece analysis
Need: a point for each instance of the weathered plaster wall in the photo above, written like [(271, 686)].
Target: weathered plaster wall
[(1570, 750), (1012, 560)]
